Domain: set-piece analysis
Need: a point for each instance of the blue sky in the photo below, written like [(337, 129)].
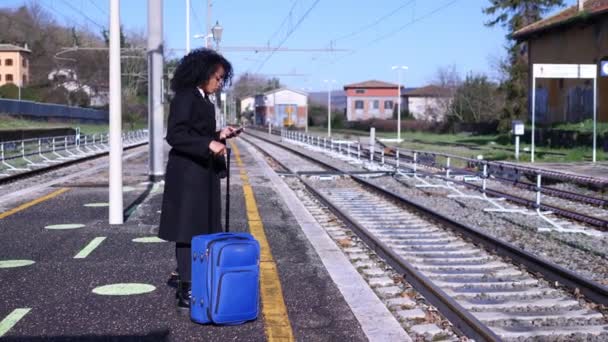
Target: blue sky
[(421, 34)]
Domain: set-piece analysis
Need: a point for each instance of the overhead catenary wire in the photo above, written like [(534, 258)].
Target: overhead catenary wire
[(375, 22), (398, 29), (101, 9), (289, 33), (196, 18), (289, 14), (83, 14)]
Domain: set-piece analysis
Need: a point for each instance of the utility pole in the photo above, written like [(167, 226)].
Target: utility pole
[(187, 27), (399, 68), (155, 89), (208, 22), (115, 186), (329, 82)]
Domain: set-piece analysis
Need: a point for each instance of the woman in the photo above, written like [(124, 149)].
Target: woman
[(191, 201)]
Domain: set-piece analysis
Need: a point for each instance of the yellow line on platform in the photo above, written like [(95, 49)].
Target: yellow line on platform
[(276, 320), (32, 203)]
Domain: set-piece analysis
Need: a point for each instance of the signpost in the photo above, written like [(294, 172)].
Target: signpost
[(565, 71), (518, 130)]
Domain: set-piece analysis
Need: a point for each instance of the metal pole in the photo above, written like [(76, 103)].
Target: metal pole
[(155, 89), (538, 190), (306, 126), (208, 22), (397, 158), (116, 204), (187, 26), (372, 143), (594, 119), (399, 68), (328, 109), (533, 114), (399, 105), (225, 113), (517, 147)]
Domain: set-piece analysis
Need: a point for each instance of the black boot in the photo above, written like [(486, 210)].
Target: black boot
[(184, 290)]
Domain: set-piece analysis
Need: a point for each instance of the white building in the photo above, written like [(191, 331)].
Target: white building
[(282, 107), (247, 104), (68, 79), (428, 103)]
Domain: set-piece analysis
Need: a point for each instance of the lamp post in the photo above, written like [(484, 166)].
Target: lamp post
[(307, 90), (399, 68), (216, 31), (205, 37), (329, 106)]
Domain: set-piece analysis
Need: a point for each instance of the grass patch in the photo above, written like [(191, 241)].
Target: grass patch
[(11, 123), (491, 147), (583, 127)]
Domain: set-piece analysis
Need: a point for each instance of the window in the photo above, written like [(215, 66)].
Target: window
[(0, 77), (360, 91), (8, 62), (24, 79), (9, 77), (24, 62), (358, 104), (388, 104), (375, 104)]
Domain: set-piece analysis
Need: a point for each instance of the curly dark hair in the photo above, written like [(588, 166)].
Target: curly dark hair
[(197, 67)]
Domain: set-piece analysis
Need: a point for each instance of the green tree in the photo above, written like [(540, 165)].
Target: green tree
[(514, 15), (477, 100)]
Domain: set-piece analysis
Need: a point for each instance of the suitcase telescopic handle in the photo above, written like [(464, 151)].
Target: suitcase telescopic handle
[(228, 150)]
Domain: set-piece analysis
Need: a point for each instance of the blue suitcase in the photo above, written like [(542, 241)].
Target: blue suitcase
[(225, 276)]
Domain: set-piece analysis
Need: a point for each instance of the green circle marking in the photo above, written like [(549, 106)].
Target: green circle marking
[(15, 263), (148, 239), (124, 289), (65, 226), (128, 188), (96, 205)]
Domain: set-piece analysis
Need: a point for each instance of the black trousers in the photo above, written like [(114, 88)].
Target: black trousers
[(183, 252)]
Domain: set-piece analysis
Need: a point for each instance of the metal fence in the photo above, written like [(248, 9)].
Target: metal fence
[(29, 154), (51, 111)]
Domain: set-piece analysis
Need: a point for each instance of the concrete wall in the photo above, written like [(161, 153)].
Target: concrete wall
[(368, 111), (577, 44), (368, 97), (247, 104), (427, 108)]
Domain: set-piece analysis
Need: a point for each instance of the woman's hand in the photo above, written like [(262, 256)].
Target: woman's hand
[(217, 148), (228, 132)]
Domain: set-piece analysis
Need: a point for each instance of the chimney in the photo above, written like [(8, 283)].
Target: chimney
[(581, 5)]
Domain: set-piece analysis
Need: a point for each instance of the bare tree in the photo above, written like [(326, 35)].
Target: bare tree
[(447, 79)]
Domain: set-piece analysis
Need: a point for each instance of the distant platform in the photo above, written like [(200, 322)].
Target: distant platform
[(597, 170)]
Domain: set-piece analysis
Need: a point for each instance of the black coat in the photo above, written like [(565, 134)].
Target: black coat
[(191, 201)]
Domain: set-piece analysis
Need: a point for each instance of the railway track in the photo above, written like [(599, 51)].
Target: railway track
[(45, 167), (477, 286), (583, 208)]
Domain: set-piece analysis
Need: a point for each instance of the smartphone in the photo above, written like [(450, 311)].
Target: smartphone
[(239, 130)]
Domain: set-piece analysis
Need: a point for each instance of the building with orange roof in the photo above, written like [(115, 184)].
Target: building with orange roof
[(14, 64)]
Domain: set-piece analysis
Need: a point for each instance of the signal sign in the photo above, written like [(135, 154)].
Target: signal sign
[(604, 69)]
